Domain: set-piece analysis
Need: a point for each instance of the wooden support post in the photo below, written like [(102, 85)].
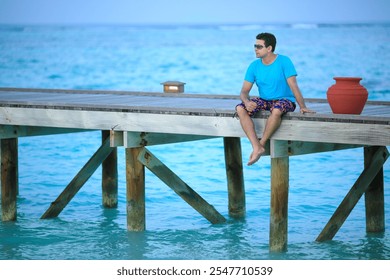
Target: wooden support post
[(279, 204), (279, 195), (9, 178), (135, 191), (351, 199), (374, 196), (235, 177), (180, 187), (110, 176), (78, 181)]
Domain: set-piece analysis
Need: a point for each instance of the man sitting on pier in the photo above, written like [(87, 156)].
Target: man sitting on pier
[(275, 77)]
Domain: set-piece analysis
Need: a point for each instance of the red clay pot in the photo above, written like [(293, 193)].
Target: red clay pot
[(347, 96)]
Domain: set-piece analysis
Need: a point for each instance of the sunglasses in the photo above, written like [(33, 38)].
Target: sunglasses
[(258, 47)]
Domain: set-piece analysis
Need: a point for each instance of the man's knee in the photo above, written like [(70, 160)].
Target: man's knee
[(241, 111), (276, 112)]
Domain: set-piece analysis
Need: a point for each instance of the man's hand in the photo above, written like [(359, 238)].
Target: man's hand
[(307, 110), (250, 105)]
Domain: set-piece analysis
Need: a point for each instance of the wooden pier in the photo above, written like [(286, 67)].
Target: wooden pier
[(135, 120)]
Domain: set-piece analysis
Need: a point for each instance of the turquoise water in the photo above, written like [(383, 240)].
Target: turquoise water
[(211, 60)]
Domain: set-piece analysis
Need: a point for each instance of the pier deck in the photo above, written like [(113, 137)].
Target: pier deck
[(135, 120)]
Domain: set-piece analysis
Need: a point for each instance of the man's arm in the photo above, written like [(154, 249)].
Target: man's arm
[(246, 88), (293, 84)]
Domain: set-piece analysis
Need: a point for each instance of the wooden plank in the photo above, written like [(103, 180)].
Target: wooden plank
[(338, 118), (219, 126), (142, 139), (104, 93), (25, 91), (135, 191), (8, 94), (295, 148), (13, 131), (130, 139), (78, 181), (63, 99), (279, 201), (110, 176), (334, 132), (235, 177), (180, 187), (9, 178), (108, 101), (122, 121), (374, 196), (162, 103), (353, 196), (188, 105)]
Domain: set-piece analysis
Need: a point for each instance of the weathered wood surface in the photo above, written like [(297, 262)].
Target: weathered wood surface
[(14, 131), (235, 177), (110, 176), (141, 139), (185, 114), (374, 197), (279, 204), (135, 191), (9, 178)]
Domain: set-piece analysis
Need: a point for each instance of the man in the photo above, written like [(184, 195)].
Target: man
[(275, 77)]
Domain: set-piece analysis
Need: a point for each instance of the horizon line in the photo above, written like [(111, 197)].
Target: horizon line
[(197, 23)]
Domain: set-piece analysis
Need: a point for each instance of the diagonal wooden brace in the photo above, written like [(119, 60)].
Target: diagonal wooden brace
[(180, 187), (78, 181), (351, 199)]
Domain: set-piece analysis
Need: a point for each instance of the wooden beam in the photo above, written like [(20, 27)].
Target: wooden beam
[(110, 176), (78, 181), (179, 187), (135, 191), (134, 139), (305, 128), (295, 148), (329, 132), (9, 178), (235, 177), (374, 196), (353, 196), (142, 139), (13, 131)]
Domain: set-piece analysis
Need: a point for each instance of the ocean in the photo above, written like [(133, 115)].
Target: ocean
[(210, 59)]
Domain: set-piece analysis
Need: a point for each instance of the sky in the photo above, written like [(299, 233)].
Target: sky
[(192, 11)]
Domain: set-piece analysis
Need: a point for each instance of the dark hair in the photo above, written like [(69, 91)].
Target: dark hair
[(269, 40)]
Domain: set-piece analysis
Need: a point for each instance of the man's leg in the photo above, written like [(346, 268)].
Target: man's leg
[(249, 129), (272, 124)]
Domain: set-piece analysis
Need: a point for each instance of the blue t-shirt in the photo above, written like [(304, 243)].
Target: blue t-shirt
[(271, 80)]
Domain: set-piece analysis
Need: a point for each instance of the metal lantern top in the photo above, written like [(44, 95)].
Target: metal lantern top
[(173, 87)]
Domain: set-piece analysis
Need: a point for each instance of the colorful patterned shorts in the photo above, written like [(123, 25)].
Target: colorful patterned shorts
[(283, 105)]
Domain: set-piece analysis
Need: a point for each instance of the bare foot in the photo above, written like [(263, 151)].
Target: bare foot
[(256, 154)]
